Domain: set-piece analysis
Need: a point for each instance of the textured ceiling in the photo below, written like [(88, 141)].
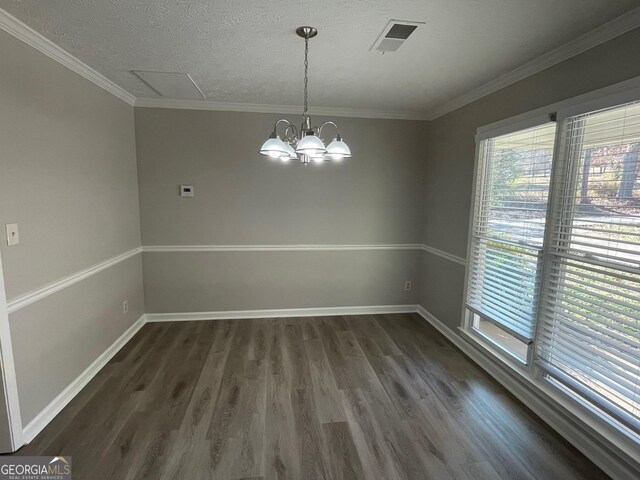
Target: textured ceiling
[(246, 51)]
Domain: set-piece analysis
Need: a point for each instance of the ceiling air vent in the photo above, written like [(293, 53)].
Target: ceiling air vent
[(394, 35)]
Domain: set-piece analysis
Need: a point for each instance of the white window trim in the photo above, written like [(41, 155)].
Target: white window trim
[(618, 94), (491, 131)]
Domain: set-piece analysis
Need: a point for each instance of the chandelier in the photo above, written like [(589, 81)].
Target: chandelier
[(306, 144)]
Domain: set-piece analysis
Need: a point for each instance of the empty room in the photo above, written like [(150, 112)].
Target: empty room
[(320, 240)]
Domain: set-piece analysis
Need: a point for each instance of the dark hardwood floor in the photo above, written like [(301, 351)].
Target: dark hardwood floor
[(371, 397)]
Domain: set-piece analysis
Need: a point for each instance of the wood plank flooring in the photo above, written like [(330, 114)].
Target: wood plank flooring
[(357, 397)]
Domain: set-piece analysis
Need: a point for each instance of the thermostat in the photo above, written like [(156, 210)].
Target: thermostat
[(186, 190)]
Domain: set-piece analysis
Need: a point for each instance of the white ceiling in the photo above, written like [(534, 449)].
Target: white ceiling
[(247, 52)]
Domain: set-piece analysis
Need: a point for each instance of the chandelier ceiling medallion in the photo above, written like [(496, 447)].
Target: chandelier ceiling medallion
[(304, 144)]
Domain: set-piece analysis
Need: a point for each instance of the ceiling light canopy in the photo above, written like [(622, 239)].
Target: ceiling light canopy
[(305, 144)]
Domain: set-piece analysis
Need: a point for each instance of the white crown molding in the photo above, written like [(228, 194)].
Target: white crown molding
[(608, 31), (22, 301), (42, 419), (596, 37), (280, 313), (276, 248), (562, 416), (23, 32), (446, 255), (282, 109)]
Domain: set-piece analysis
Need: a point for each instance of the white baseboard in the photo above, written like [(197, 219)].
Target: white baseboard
[(35, 426), (276, 313), (554, 411)]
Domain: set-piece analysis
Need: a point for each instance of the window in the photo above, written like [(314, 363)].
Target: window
[(554, 266), (508, 233), (590, 321)]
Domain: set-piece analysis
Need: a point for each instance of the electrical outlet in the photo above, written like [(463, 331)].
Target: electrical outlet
[(125, 306), (407, 286)]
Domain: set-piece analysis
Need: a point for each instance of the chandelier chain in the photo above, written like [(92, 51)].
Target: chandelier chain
[(306, 77)]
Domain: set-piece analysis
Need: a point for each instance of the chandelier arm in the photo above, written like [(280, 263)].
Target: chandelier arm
[(275, 125), (294, 131), (329, 123)]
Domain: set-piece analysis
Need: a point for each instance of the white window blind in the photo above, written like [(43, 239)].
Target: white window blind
[(589, 334), (509, 216)]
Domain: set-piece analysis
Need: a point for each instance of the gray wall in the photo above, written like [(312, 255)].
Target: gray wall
[(58, 337), (242, 198), (219, 281), (68, 178), (451, 150)]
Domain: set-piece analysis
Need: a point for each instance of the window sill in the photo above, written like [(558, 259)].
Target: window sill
[(489, 344)]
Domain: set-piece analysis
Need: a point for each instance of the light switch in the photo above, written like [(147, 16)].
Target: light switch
[(13, 236)]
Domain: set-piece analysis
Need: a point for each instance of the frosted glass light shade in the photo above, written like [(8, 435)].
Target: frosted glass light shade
[(338, 150), (311, 145), (291, 153), (274, 147)]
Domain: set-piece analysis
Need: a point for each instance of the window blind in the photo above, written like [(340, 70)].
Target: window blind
[(589, 336), (508, 227)]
